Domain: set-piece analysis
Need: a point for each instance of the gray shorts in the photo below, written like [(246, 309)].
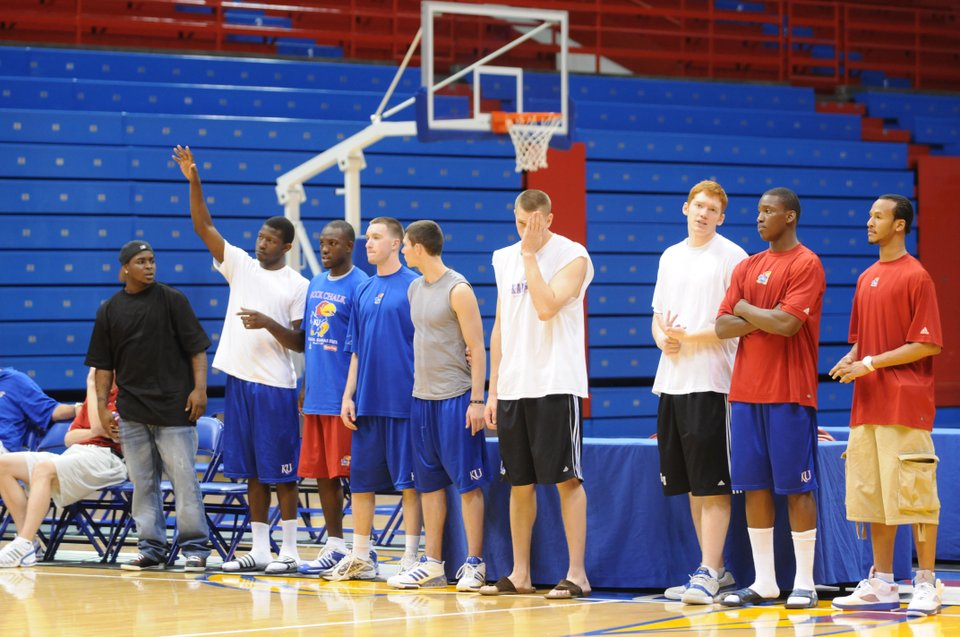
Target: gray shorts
[(82, 470)]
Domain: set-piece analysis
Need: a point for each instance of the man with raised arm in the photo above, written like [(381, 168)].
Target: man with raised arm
[(261, 424)]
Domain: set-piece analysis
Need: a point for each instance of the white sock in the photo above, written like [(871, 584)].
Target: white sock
[(714, 574), (804, 545), (29, 543), (289, 545), (411, 546), (361, 546), (929, 577), (886, 577), (761, 543), (261, 541), (337, 544)]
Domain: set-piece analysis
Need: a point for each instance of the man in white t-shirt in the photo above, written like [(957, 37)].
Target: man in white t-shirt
[(261, 423), (538, 379), (693, 379)]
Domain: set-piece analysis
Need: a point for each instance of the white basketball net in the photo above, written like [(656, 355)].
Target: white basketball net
[(531, 141)]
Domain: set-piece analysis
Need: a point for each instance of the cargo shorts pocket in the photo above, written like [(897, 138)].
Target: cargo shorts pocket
[(918, 483)]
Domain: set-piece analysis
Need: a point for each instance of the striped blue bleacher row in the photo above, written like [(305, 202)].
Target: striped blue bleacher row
[(75, 184)]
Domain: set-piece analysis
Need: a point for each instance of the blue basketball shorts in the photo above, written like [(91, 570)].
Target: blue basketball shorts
[(444, 449), (773, 446), (261, 432), (381, 455)]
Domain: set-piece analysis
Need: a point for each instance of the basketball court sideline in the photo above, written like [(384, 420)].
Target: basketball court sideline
[(73, 598)]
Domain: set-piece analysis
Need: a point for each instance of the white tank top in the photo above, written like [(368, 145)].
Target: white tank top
[(540, 358)]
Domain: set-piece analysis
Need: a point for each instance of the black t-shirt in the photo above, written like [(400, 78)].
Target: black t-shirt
[(148, 340)]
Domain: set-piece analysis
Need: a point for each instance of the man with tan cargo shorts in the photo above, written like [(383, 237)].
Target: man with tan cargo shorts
[(891, 464)]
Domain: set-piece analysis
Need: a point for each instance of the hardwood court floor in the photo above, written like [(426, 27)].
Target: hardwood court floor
[(79, 601)]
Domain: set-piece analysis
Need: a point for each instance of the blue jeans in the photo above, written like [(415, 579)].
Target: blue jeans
[(151, 451)]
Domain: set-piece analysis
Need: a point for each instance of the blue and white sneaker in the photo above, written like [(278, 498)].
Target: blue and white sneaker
[(727, 585), (326, 560), (18, 552), (471, 576), (352, 567), (702, 588), (427, 574)]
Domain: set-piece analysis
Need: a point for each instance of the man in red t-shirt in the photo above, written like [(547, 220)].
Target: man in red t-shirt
[(91, 462), (891, 466), (773, 304)]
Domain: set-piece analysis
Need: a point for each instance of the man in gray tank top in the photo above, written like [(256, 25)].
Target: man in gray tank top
[(447, 413)]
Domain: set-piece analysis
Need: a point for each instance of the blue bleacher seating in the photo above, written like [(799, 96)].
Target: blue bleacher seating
[(86, 138)]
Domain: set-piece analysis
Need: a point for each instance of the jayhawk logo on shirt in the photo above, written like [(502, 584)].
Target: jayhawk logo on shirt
[(875, 282), (764, 277), (319, 324)]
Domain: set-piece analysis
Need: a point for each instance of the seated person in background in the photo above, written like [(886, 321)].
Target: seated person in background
[(22, 405), (91, 462)]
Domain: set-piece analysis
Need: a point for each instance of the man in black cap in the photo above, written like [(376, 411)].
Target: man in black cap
[(148, 335)]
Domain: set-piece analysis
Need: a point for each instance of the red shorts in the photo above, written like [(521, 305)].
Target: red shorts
[(325, 448)]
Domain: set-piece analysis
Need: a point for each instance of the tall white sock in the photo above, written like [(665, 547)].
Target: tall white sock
[(804, 545), (261, 541), (761, 543), (411, 546), (361, 546), (289, 545), (337, 543)]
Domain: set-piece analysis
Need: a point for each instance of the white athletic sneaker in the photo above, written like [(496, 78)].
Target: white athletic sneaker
[(472, 575), (352, 567), (427, 574), (406, 563), (727, 585), (18, 552), (326, 560), (702, 588), (870, 594), (926, 599)]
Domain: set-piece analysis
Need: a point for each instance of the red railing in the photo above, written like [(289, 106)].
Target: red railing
[(810, 42)]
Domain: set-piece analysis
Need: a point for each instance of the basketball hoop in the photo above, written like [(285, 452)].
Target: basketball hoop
[(531, 134)]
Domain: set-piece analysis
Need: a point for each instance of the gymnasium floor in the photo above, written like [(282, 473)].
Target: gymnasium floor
[(73, 598)]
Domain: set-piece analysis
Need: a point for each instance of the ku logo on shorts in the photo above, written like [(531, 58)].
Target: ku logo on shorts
[(476, 474), (286, 469)]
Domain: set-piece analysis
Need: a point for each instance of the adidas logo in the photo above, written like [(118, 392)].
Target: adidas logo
[(925, 332), (566, 468), (806, 311), (721, 484)]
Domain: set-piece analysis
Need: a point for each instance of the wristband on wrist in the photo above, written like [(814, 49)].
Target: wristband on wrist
[(478, 402), (868, 363)]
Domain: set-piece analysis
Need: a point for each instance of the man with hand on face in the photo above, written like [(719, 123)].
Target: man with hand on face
[(774, 304), (377, 399), (261, 424), (325, 449), (538, 379), (147, 338), (891, 462)]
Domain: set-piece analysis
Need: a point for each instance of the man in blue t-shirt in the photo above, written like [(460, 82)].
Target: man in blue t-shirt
[(325, 449), (377, 400), (24, 406)]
